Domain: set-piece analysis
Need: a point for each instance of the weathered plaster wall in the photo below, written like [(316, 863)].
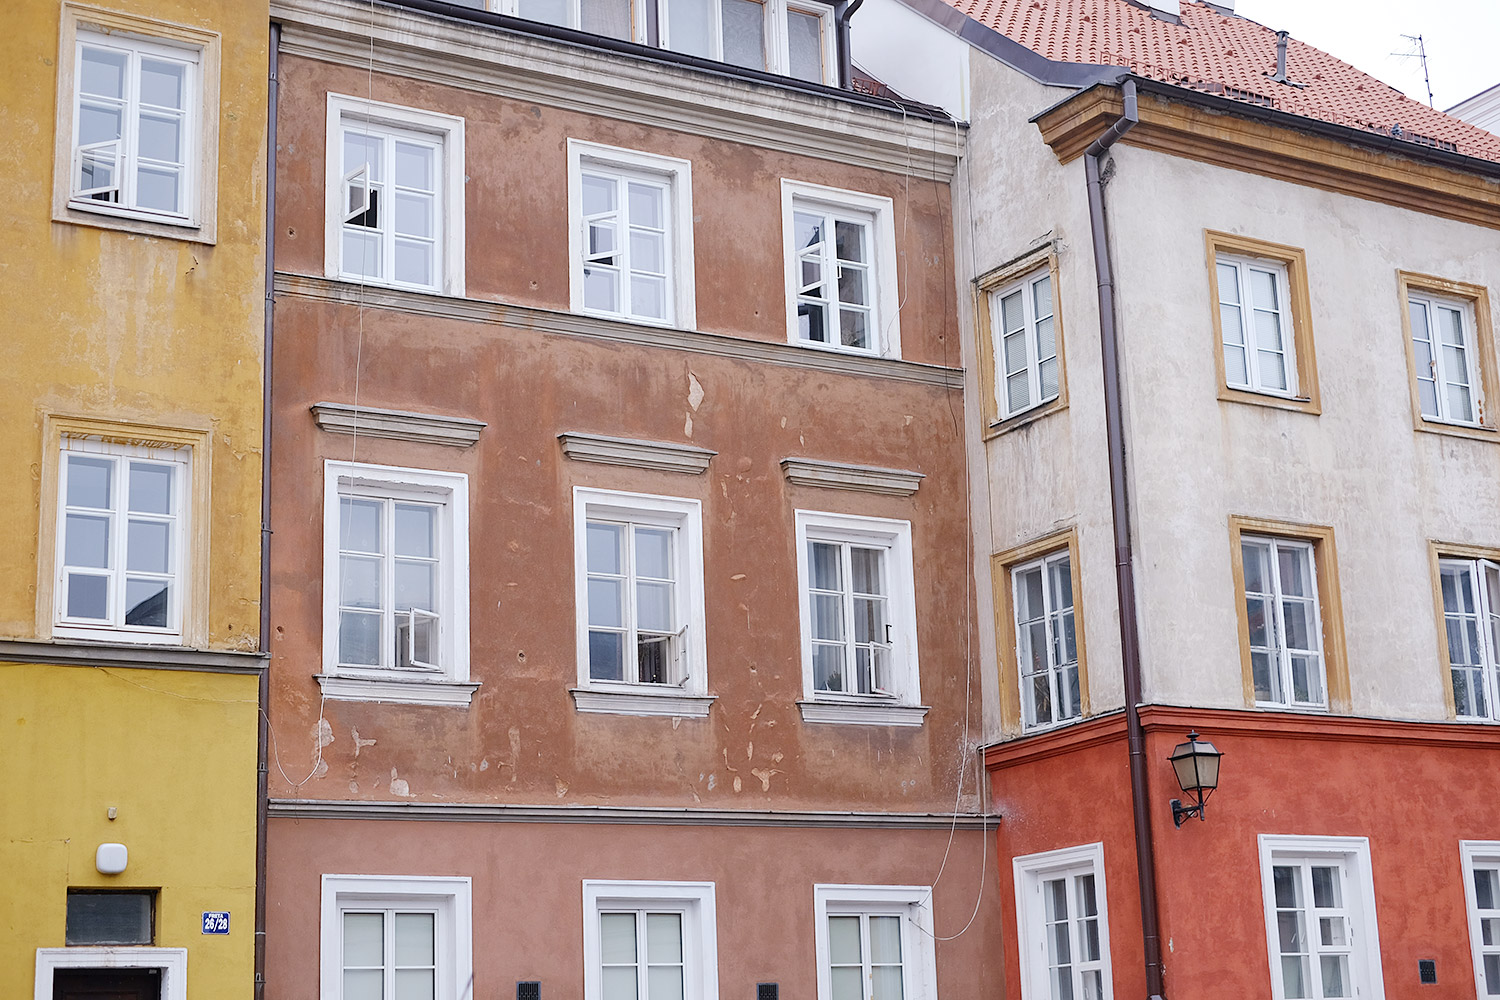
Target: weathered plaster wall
[(522, 739), (1386, 489), (107, 324), (174, 753)]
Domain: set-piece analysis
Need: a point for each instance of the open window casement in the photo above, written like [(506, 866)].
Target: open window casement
[(417, 639), (360, 198), (96, 171)]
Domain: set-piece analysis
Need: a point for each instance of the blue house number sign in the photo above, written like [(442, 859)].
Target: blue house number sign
[(215, 923)]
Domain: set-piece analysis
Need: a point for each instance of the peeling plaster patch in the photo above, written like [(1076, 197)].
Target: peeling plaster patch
[(354, 787), (562, 787), (695, 392), (360, 744), (399, 785), (738, 576), (783, 423), (687, 426), (515, 752), (750, 752), (713, 782), (764, 776), (484, 765), (777, 757), (323, 733), (321, 769), (737, 785), (676, 721)]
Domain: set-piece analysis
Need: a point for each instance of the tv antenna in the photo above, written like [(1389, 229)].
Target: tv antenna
[(1420, 53)]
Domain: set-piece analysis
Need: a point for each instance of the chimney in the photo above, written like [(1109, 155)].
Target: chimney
[(1280, 75)]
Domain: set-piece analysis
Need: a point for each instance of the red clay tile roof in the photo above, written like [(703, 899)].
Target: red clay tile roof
[(1226, 55)]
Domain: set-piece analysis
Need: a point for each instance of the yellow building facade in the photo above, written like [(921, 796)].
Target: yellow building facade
[(130, 568)]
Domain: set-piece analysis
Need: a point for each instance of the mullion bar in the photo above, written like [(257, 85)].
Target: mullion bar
[(632, 632), (846, 595)]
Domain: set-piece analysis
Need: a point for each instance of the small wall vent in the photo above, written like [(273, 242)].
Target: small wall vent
[(767, 991), (1427, 970), (529, 990)]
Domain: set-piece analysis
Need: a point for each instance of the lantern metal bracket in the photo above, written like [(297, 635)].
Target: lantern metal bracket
[(1181, 812)]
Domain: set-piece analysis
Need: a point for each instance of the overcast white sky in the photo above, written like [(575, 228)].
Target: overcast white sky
[(1462, 39)]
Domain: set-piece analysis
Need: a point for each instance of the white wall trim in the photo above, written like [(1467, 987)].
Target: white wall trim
[(699, 929), (1472, 853), (633, 699), (1027, 870), (912, 902), (843, 476), (861, 713), (397, 425), (349, 687), (453, 896), (171, 961), (662, 456)]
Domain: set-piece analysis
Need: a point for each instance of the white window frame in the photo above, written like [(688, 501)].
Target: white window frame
[(1478, 854), (1353, 854), (198, 222), (878, 213), (1026, 285), (694, 900), (447, 132), (1439, 374), (1276, 628), (1045, 563), (172, 962), (181, 457), (449, 684), (450, 898), (1489, 654), (690, 698), (776, 37), (1241, 263), (912, 903), (903, 705), (1030, 871), (677, 175)]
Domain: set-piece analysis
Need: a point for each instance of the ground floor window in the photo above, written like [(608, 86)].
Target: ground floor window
[(1320, 917), (396, 938), (649, 941), (1481, 867), (1063, 925), (874, 942)]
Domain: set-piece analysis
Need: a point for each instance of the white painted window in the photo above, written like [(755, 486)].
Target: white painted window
[(858, 597), (1320, 917), (1471, 618), (1448, 384), (395, 573), (1256, 317), (136, 117), (395, 196), (1025, 344), (169, 966), (1062, 924), (874, 942), (121, 541), (649, 941), (840, 249), (398, 937), (1046, 640), (1481, 868), (631, 235), (638, 565), (790, 37), (1286, 625)]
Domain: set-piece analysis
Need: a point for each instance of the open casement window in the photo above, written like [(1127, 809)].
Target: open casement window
[(396, 938), (788, 37), (1046, 640), (840, 260), (1446, 356), (1286, 629), (1255, 318), (631, 244), (1025, 345), (1471, 628), (1063, 925), (638, 561), (395, 574), (121, 539), (395, 196), (649, 941), (1320, 918), (1481, 868), (135, 127), (873, 942)]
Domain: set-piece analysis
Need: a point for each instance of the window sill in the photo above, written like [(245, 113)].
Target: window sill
[(343, 687), (395, 286), (142, 224), (124, 636), (862, 713), (813, 345), (642, 701), (1301, 404), (1475, 432), (1025, 418)]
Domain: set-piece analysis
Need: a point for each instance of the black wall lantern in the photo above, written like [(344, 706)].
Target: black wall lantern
[(1197, 765)]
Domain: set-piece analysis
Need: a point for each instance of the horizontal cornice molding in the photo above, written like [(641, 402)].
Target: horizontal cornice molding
[(842, 476), (677, 705), (842, 713), (441, 693), (1279, 151), (88, 654), (568, 324), (522, 67), (398, 425), (659, 455), (463, 812)]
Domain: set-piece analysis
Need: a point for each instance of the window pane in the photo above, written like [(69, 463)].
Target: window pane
[(1325, 885), (606, 656), (415, 527), (617, 938), (598, 194), (663, 938), (648, 253), (812, 322), (603, 547), (653, 553), (690, 27), (157, 188), (1229, 283), (414, 262), (664, 983), (414, 215), (607, 17), (648, 297), (849, 241), (827, 617), (89, 482), (160, 138), (1487, 890), (1272, 370), (647, 205), (805, 45), (1236, 371), (416, 585), (148, 546), (150, 488), (865, 565), (415, 984), (885, 983), (828, 668), (1294, 973), (620, 983), (364, 939), (653, 610), (843, 941), (1263, 289), (854, 328), (162, 83), (87, 542), (146, 603), (852, 280), (1335, 969), (95, 918), (1018, 391), (825, 566), (1293, 564), (547, 11), (364, 984), (1460, 402), (606, 603), (99, 124), (359, 638), (848, 984), (414, 166), (102, 72), (88, 596), (359, 582), (414, 939), (361, 254), (744, 33), (601, 289), (1028, 584), (885, 940), (1287, 886)]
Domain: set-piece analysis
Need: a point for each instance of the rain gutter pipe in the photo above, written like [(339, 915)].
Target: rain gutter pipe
[(263, 698), (842, 12), (1119, 502)]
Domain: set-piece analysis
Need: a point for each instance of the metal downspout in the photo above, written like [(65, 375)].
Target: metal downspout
[(1119, 502), (262, 787), (843, 11)]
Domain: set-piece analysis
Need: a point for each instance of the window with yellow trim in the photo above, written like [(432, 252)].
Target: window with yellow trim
[(1040, 634), (1450, 355)]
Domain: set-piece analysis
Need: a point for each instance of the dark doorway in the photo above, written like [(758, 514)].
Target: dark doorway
[(106, 984)]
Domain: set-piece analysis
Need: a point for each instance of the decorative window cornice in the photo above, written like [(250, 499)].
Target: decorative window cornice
[(660, 455), (398, 425), (843, 476)]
